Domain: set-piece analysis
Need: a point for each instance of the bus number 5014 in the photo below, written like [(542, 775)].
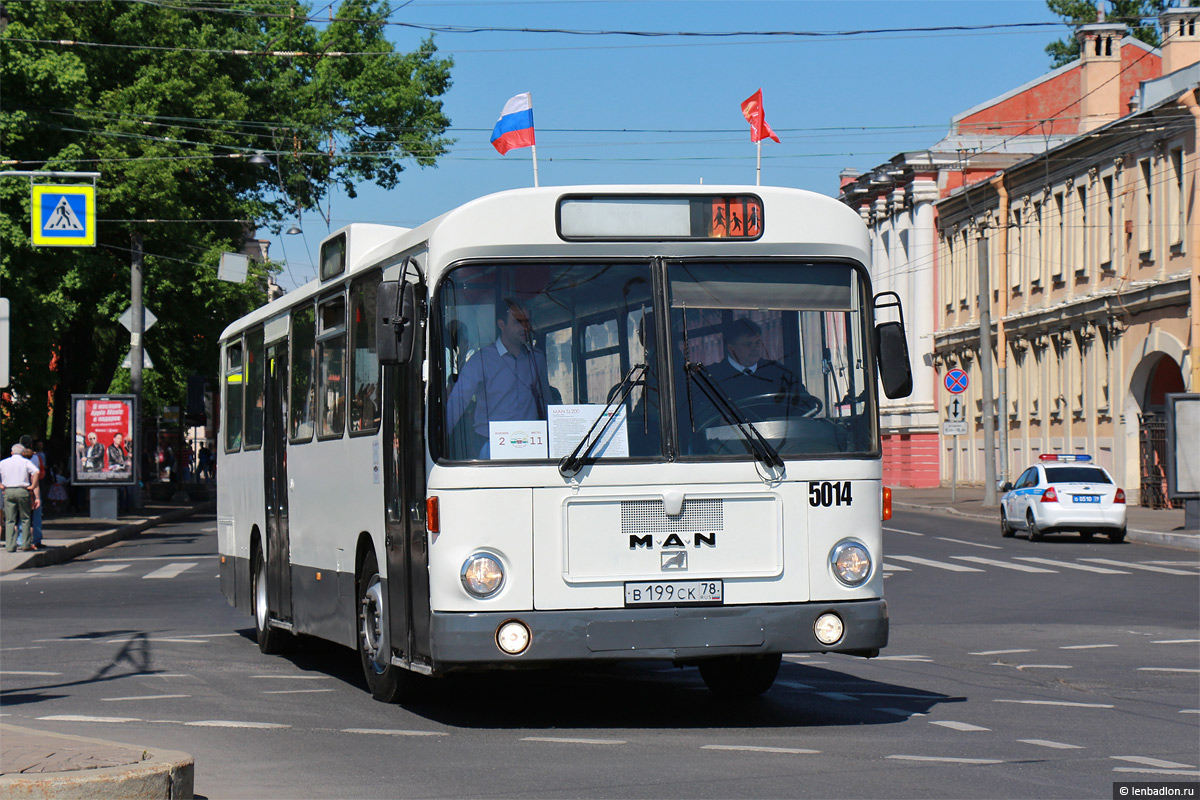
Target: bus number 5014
[(829, 493)]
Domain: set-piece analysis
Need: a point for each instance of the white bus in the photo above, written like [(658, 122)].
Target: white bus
[(568, 424)]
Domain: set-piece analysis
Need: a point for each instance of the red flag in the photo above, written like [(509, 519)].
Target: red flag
[(752, 110)]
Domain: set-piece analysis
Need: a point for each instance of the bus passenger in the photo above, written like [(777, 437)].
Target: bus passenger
[(507, 379), (754, 383)]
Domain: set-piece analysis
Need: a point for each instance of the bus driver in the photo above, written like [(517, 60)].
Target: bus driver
[(749, 378), (507, 379)]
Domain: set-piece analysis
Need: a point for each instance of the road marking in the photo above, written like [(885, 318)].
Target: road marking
[(296, 691), (145, 697), (229, 723), (1004, 564), (1064, 703), (902, 712), (838, 696), (926, 659), (1086, 646), (754, 749), (198, 556), (897, 530), (1189, 711), (893, 568), (1044, 666), (1067, 565), (1147, 567), (1055, 745), (169, 571), (1154, 762), (1149, 771), (28, 672), (81, 718), (794, 685), (972, 544), (931, 563), (293, 677), (998, 652), (958, 726), (110, 568), (10, 649), (1168, 669), (567, 740), (1176, 641), (382, 732), (948, 760)]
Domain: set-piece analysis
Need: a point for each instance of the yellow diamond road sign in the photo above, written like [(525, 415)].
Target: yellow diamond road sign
[(64, 216)]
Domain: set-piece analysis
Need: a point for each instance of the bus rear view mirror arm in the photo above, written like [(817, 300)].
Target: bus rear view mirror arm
[(397, 322)]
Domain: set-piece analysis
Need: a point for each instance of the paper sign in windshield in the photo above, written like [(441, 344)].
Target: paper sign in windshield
[(570, 423), (518, 439)]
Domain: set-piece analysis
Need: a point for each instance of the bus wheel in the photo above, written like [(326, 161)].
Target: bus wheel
[(387, 682), (270, 640), (740, 676)]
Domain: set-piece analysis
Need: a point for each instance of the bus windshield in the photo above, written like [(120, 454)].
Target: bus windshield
[(533, 353), (780, 344)]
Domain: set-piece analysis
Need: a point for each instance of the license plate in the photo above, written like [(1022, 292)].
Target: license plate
[(673, 593), (1087, 498)]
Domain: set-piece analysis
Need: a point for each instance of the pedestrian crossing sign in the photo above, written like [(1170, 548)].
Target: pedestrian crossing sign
[(64, 216)]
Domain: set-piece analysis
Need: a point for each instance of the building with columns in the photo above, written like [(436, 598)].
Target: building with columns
[(1092, 255), (899, 202)]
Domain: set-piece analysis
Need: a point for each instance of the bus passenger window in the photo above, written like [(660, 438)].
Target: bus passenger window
[(233, 396), (304, 396), (364, 397), (331, 386), (255, 384)]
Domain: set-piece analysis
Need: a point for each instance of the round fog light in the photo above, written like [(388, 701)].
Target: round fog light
[(851, 562), (513, 637), (482, 574), (829, 628)]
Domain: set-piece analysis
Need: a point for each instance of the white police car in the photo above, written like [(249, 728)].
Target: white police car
[(1063, 493)]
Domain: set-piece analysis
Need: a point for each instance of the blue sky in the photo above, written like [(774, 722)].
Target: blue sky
[(621, 109)]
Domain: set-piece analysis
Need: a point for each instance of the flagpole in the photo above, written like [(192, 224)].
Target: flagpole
[(535, 179), (758, 167)]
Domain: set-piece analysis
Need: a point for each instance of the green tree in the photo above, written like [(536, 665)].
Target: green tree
[(168, 102), (1139, 15)]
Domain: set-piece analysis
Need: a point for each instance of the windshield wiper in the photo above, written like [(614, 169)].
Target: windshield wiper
[(761, 448), (571, 464)]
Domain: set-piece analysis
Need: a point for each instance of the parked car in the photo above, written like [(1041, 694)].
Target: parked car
[(1063, 493)]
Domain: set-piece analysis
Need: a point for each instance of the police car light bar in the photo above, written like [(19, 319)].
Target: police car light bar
[(1061, 457)]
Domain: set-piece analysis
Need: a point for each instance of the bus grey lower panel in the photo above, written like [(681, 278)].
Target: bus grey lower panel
[(235, 583), (656, 633), (322, 607)]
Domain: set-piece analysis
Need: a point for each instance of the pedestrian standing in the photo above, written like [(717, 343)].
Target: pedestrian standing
[(19, 479), (38, 457)]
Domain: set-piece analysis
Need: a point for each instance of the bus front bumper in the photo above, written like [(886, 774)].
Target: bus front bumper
[(677, 634)]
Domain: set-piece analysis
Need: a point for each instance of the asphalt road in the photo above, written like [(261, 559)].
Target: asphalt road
[(1016, 670)]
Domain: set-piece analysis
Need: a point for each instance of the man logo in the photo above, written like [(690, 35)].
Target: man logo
[(675, 560)]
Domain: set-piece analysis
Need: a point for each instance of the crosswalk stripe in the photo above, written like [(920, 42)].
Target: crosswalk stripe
[(928, 562), (170, 570), (1066, 565), (1004, 564), (1147, 567), (893, 568), (110, 568)]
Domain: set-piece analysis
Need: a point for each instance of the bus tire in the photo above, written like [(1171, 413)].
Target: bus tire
[(270, 640), (740, 676), (387, 682)]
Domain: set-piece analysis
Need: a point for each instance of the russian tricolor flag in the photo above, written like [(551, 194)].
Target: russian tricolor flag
[(515, 127)]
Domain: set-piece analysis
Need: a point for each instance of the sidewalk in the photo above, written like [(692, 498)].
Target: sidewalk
[(1150, 526), (43, 764)]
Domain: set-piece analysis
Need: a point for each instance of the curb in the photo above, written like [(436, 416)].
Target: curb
[(1182, 541), (158, 773), (58, 555)]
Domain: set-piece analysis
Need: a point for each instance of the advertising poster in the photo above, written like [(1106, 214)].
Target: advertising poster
[(105, 452)]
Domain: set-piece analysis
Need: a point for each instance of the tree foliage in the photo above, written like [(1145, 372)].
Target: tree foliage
[(158, 100), (1139, 15)]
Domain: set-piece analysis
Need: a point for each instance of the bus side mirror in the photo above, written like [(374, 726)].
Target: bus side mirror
[(396, 321), (895, 372)]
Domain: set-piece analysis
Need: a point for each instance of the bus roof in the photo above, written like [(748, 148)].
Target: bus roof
[(524, 221)]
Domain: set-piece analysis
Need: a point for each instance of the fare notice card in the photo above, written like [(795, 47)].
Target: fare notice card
[(570, 423), (518, 439)]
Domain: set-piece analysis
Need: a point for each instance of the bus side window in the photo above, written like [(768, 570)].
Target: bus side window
[(331, 365), (255, 384), (233, 396), (304, 394), (364, 366)]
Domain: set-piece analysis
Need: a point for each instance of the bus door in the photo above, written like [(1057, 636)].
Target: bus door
[(407, 545), (279, 574)]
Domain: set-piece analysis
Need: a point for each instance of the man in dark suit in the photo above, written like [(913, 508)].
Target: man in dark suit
[(759, 387)]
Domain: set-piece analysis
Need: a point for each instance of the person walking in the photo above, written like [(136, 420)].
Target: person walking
[(19, 480), (38, 458)]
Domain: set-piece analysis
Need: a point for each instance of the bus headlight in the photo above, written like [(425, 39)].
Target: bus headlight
[(513, 637), (482, 574), (851, 562), (829, 628)]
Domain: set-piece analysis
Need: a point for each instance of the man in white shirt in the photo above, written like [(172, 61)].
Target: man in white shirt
[(19, 480)]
